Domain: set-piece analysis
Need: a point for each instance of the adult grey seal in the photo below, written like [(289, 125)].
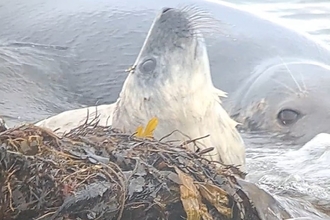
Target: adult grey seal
[(173, 54), (245, 60)]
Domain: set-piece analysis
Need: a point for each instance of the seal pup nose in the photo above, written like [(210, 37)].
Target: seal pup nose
[(166, 9)]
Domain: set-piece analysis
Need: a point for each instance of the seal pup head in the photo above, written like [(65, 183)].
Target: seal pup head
[(3, 125), (171, 80), (288, 98)]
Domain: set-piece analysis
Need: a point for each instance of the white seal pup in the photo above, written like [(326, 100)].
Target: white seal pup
[(171, 80)]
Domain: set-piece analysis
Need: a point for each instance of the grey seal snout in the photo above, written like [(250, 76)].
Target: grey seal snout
[(164, 10)]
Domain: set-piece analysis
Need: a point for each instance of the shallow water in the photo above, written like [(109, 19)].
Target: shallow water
[(307, 15), (286, 171), (292, 172), (33, 83)]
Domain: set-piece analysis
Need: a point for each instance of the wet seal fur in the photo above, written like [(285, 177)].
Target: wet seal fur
[(171, 80)]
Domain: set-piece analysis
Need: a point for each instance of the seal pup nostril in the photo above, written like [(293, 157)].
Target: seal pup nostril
[(166, 9)]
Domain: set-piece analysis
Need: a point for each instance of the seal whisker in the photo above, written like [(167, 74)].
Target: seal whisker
[(293, 78), (303, 82), (284, 85), (201, 20)]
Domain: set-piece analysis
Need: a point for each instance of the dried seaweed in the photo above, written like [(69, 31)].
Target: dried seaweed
[(95, 172)]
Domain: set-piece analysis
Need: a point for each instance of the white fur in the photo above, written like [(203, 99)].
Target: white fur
[(196, 115), (184, 100), (203, 116)]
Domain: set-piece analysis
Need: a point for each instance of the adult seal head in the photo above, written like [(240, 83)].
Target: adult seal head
[(171, 80), (285, 97)]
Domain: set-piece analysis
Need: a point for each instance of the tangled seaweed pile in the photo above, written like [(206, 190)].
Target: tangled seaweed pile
[(95, 172)]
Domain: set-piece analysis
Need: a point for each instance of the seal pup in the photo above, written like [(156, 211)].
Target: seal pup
[(171, 80)]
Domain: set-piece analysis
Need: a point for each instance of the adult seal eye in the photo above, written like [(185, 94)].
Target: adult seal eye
[(287, 116), (148, 66)]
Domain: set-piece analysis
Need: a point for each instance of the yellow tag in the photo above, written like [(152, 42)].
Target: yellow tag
[(149, 130)]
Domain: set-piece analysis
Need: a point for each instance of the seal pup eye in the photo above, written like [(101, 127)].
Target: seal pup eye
[(148, 66), (288, 116)]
